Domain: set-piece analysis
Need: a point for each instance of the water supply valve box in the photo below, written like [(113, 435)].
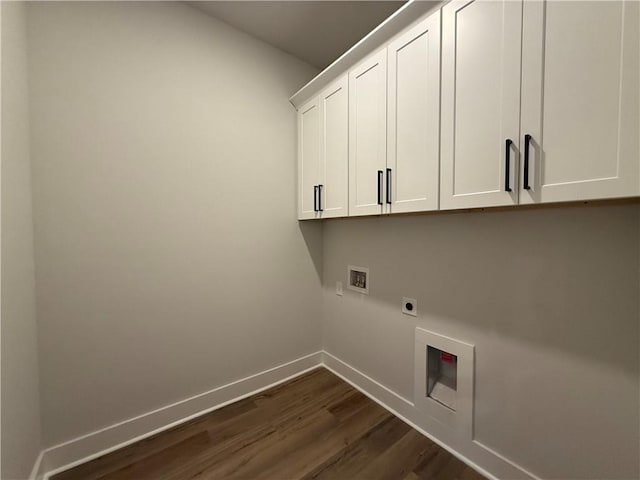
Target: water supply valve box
[(444, 380)]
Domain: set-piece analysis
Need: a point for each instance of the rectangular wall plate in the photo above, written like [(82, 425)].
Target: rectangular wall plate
[(339, 288), (410, 306), (439, 393), (358, 279)]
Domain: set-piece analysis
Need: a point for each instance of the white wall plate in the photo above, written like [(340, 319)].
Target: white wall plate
[(410, 306), (459, 420)]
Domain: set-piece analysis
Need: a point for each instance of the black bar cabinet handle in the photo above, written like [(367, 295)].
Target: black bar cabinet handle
[(527, 140), (320, 198), (315, 198), (507, 165), (389, 186), (380, 187)]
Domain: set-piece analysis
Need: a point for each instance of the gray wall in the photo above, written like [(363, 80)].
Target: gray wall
[(169, 258), (20, 399), (548, 297)]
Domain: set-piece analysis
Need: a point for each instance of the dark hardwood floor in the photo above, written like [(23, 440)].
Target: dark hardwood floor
[(313, 427)]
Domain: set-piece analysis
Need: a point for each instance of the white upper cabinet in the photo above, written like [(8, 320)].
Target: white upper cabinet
[(334, 149), (368, 134), (309, 171), (413, 134), (481, 54), (580, 100), (485, 103)]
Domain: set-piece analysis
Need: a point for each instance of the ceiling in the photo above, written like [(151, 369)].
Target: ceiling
[(317, 32)]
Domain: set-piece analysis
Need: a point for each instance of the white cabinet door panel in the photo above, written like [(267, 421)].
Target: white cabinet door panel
[(413, 127), (308, 158), (580, 99), (367, 133), (334, 149), (480, 102)]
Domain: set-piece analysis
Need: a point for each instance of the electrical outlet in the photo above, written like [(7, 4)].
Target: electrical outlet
[(410, 306), (339, 288)]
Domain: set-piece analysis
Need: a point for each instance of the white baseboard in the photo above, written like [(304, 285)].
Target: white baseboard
[(477, 456), (37, 466), (82, 449)]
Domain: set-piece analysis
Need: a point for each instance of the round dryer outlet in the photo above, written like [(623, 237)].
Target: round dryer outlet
[(410, 306)]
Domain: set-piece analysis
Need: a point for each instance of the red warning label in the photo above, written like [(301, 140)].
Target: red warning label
[(447, 357)]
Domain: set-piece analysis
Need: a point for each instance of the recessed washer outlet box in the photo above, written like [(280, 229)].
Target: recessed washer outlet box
[(358, 279), (442, 376), (444, 380)]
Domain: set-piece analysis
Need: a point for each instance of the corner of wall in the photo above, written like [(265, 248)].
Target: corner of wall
[(21, 417)]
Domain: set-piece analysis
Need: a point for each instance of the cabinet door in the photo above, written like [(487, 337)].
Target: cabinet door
[(334, 149), (367, 134), (480, 102), (413, 128), (580, 99), (308, 159)]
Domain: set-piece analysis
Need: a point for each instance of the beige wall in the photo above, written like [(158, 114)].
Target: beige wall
[(20, 428), (169, 258), (548, 297), (170, 262)]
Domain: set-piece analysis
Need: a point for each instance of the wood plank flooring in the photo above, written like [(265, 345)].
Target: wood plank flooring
[(315, 426)]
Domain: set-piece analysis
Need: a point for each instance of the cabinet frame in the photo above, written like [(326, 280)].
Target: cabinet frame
[(427, 130), (358, 174), (308, 161), (626, 182), (509, 116), (334, 171)]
